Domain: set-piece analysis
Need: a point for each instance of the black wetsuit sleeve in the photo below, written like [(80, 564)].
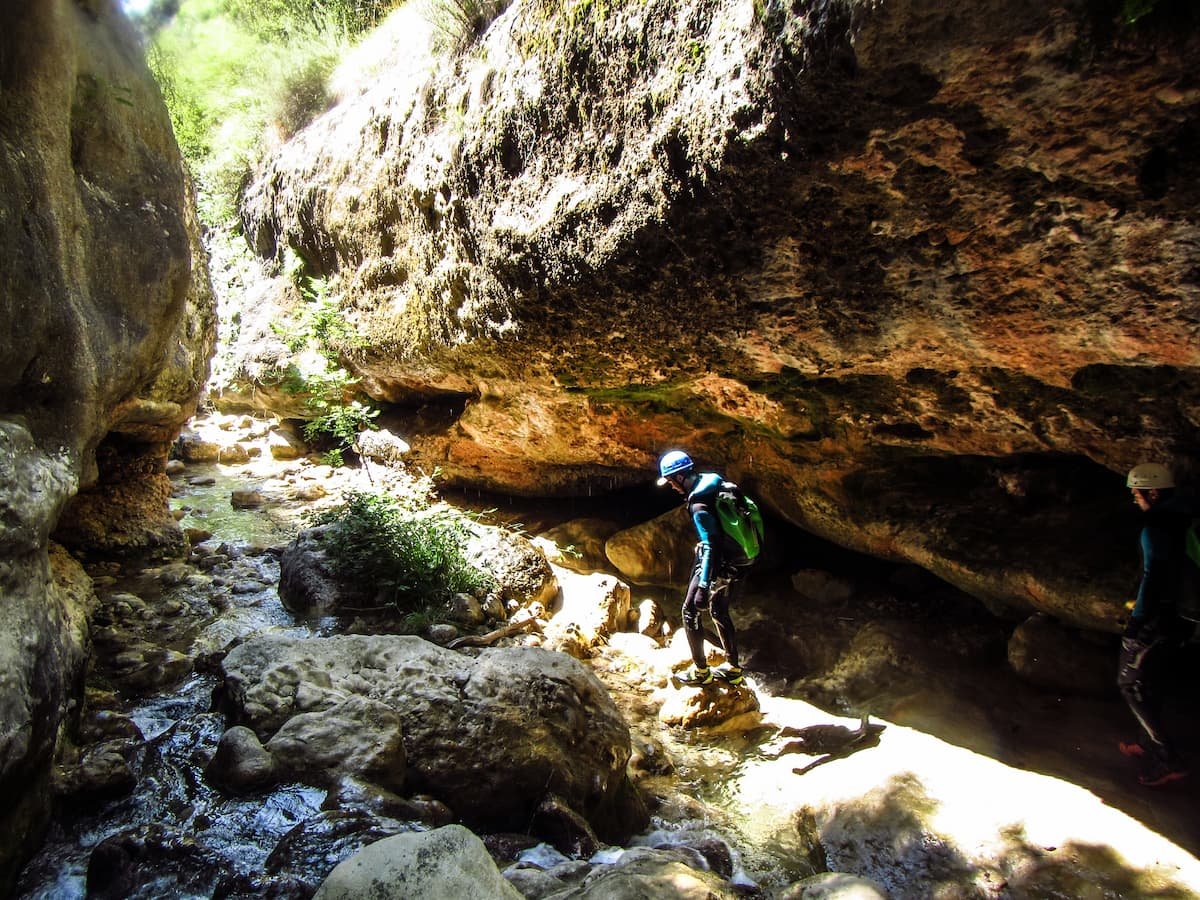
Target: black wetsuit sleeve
[(1157, 563)]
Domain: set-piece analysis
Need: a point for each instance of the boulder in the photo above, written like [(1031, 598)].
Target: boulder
[(659, 552), (448, 863), (351, 793), (1055, 656), (246, 498), (650, 619), (523, 574), (647, 874), (306, 580), (465, 610), (284, 443), (241, 763), (383, 447), (357, 736), (716, 707), (102, 773), (491, 737), (193, 448), (592, 608), (578, 544), (835, 886)]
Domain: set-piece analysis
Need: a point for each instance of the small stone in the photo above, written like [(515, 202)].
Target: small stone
[(233, 455), (311, 492), (241, 763), (245, 498), (442, 633)]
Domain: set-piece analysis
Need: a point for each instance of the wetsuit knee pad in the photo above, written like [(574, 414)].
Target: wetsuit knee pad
[(691, 618)]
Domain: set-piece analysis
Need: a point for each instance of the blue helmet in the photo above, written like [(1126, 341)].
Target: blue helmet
[(673, 462)]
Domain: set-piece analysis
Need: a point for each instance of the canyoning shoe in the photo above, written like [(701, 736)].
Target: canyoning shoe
[(1132, 749), (1158, 774), (695, 677), (730, 674)]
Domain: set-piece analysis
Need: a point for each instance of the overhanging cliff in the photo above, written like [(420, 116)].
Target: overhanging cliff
[(925, 278)]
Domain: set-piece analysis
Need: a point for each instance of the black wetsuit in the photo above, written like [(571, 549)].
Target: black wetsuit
[(1155, 629), (716, 569)]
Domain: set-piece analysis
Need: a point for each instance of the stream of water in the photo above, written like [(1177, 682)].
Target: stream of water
[(187, 839)]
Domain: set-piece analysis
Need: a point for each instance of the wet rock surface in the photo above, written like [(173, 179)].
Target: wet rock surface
[(488, 736), (960, 747)]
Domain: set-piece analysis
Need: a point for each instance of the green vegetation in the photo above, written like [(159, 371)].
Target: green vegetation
[(411, 551), (1172, 14), (285, 19), (458, 22), (236, 73), (316, 339)]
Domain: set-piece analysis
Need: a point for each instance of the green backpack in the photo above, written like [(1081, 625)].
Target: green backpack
[(1189, 603), (741, 520)]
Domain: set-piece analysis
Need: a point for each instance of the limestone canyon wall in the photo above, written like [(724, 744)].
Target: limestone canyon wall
[(925, 276), (105, 346)]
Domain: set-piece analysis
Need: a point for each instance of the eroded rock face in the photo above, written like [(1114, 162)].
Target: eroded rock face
[(490, 737), (106, 339), (922, 276)]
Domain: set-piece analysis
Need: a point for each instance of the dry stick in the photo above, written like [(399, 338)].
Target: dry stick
[(486, 640)]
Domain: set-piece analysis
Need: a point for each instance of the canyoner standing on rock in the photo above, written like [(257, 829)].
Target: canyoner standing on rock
[(1156, 628), (730, 532)]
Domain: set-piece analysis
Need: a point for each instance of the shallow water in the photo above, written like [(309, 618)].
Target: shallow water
[(207, 506), (224, 844), (180, 732)]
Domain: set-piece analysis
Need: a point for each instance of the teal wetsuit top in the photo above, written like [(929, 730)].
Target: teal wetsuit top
[(701, 503), (1163, 561)]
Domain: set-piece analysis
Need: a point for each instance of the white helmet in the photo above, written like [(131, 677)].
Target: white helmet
[(1147, 476)]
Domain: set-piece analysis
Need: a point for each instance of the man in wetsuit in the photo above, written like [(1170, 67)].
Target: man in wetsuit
[(716, 577), (1155, 629)]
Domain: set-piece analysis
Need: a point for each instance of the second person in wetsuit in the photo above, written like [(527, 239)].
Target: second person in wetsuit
[(1155, 630)]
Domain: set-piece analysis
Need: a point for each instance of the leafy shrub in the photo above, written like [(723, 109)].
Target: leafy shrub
[(326, 388), (284, 19), (303, 94), (458, 22), (342, 423), (410, 552)]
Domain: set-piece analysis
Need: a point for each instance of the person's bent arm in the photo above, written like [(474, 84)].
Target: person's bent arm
[(1156, 546), (708, 529)]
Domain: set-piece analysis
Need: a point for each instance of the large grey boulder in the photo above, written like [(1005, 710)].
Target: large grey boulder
[(448, 863), (491, 737)]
